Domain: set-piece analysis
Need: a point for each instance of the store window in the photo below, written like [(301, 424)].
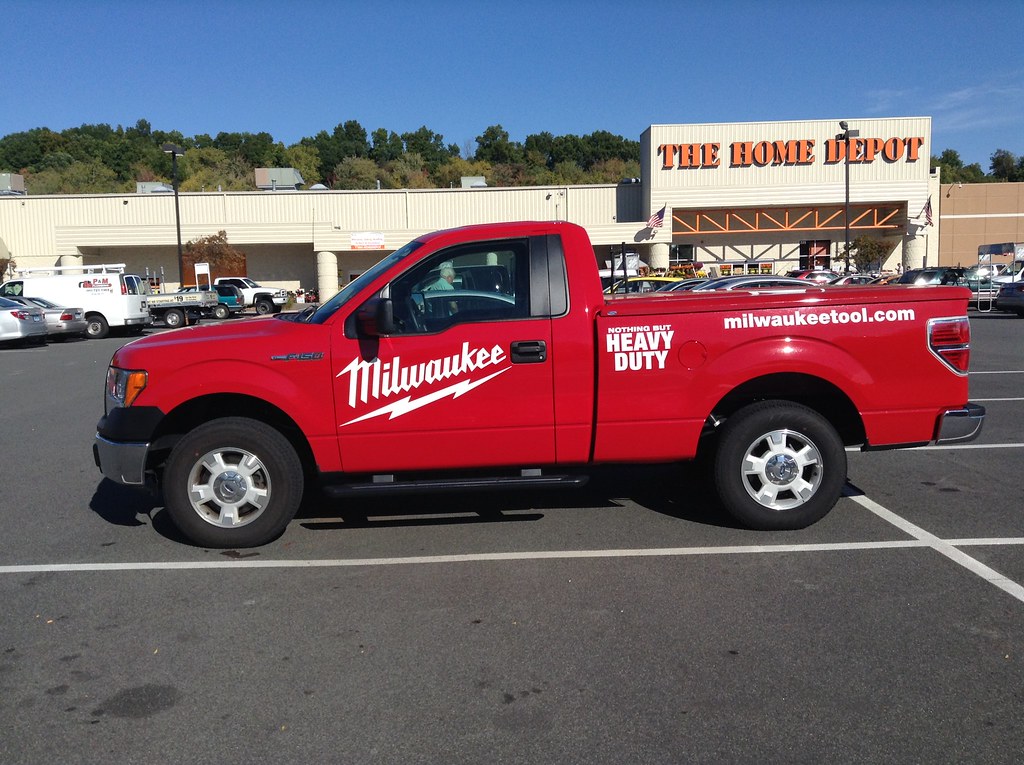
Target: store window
[(680, 255)]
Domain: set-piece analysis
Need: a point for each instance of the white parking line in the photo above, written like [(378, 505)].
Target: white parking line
[(943, 546), (1001, 372)]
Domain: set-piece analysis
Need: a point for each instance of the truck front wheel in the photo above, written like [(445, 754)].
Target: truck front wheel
[(232, 482), (264, 306), (779, 465)]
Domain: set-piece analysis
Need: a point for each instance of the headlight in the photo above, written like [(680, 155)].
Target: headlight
[(124, 385)]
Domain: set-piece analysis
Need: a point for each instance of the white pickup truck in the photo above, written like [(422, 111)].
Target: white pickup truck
[(264, 299)]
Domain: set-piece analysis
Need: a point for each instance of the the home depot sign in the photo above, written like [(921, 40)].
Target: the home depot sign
[(801, 151)]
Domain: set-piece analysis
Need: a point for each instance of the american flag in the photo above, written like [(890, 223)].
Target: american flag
[(928, 212), (658, 219)]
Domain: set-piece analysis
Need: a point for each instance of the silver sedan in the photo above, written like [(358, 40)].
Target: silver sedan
[(20, 322), (61, 322)]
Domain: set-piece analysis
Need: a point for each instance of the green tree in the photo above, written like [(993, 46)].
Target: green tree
[(89, 177), (306, 160), (1006, 167), (212, 169), (347, 140), (23, 151), (430, 146), (450, 174), (613, 170), (357, 173), (953, 169), (407, 172), (495, 147), (868, 253), (387, 146)]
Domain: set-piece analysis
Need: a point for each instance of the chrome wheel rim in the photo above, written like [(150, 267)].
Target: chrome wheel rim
[(229, 487), (782, 469)]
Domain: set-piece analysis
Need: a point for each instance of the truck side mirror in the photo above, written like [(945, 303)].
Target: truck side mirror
[(376, 318)]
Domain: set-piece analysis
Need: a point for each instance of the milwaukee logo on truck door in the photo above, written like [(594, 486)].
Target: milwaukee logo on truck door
[(383, 380)]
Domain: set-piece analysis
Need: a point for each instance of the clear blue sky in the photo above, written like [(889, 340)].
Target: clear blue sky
[(294, 68)]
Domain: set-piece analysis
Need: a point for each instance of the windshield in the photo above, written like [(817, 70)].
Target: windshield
[(354, 287)]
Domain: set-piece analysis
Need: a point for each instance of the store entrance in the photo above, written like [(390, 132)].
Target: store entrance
[(815, 254)]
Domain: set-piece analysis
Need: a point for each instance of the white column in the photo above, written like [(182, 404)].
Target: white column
[(914, 248), (326, 275), (67, 261), (659, 255)]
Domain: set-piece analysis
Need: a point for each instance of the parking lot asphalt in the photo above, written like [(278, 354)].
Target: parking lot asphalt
[(627, 622)]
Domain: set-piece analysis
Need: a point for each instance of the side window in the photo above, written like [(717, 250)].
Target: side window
[(11, 288), (477, 282)]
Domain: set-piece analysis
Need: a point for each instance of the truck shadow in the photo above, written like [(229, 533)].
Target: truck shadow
[(121, 505), (678, 491)]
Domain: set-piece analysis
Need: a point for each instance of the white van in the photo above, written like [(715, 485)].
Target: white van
[(109, 296)]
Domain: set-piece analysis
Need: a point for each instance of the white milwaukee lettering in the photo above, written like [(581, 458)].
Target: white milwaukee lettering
[(383, 379)]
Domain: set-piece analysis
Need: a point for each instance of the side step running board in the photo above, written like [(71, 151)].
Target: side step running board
[(386, 484)]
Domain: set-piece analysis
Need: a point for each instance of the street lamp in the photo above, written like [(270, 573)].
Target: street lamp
[(175, 152), (845, 137)]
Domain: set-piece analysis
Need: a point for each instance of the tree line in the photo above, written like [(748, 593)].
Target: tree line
[(95, 159)]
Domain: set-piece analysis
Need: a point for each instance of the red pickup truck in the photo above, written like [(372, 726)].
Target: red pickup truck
[(488, 357)]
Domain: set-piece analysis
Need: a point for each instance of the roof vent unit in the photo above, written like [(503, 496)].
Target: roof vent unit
[(12, 184), (278, 179)]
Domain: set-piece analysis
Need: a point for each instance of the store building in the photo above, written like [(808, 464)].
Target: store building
[(980, 215), (751, 197), (767, 197)]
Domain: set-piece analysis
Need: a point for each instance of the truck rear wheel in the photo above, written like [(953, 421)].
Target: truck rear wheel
[(175, 317), (97, 327), (221, 311), (779, 465), (232, 482)]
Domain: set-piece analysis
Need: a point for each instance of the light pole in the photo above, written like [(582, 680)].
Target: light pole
[(175, 152), (845, 137)]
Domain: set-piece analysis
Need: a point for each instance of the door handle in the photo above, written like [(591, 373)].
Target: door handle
[(529, 352)]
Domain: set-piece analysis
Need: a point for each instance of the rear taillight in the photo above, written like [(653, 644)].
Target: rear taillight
[(950, 341), (67, 316), (19, 314)]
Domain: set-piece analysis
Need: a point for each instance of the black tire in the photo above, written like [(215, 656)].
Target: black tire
[(174, 318), (221, 311), (97, 328), (779, 465), (215, 503), (264, 307)]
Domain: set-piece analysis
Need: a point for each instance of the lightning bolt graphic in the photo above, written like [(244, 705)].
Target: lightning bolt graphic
[(408, 404)]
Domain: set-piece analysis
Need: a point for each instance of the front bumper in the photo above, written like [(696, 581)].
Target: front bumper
[(123, 462), (961, 424)]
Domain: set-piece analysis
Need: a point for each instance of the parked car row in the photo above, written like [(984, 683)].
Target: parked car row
[(19, 322)]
